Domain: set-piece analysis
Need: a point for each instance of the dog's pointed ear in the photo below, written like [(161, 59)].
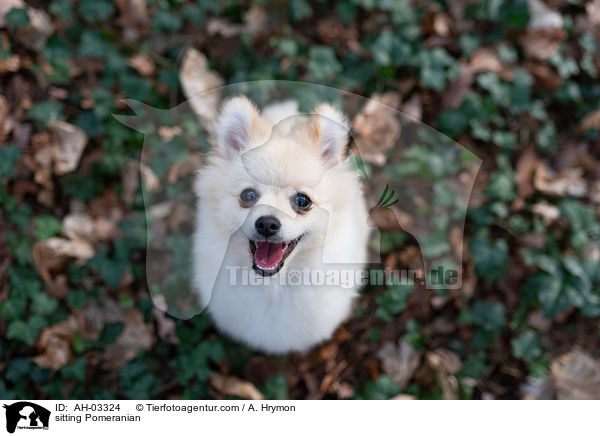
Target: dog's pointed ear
[(329, 129), (237, 125)]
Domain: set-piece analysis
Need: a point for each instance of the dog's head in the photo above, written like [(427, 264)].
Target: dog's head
[(278, 184)]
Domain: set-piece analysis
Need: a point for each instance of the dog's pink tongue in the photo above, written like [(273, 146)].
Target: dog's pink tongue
[(268, 255)]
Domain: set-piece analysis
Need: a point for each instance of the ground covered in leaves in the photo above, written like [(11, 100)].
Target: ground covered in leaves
[(514, 81)]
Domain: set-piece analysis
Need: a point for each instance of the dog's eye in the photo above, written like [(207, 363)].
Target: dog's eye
[(248, 197), (301, 202)]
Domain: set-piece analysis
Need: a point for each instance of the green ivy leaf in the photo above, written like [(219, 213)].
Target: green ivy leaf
[(46, 226), (9, 154), (545, 138), (43, 304), (490, 316), (167, 21), (76, 370), (490, 257), (26, 331), (17, 17), (526, 346), (393, 301), (323, 63), (437, 68), (276, 388), (13, 308), (61, 8), (96, 10), (299, 10), (383, 388), (46, 111)]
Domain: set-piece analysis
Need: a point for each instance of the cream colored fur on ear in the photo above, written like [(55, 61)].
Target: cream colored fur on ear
[(329, 130), (239, 126)]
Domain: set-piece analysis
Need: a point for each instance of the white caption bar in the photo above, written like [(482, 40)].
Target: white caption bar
[(299, 417)]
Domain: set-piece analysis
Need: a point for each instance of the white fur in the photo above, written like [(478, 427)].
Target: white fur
[(278, 155)]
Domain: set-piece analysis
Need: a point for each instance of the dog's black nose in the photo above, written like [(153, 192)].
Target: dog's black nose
[(267, 225)]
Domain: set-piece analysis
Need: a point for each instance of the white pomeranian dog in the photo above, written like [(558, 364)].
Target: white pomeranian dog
[(281, 217)]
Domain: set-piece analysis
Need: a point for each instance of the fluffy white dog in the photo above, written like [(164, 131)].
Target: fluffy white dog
[(278, 200)]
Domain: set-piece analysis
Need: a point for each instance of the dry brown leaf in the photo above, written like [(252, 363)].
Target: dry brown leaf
[(390, 218), (77, 248), (590, 121), (593, 12), (405, 397), (129, 180), (136, 335), (49, 265), (333, 32), (150, 180), (36, 33), (91, 319), (190, 165), (526, 165), (458, 88), (54, 342), (414, 107), (436, 23), (540, 44), (548, 212), (196, 79), (5, 121), (181, 214), (542, 17), (444, 358), (255, 20), (332, 377), (105, 229), (544, 31), (167, 329), (446, 363), (11, 63), (399, 361), (167, 133), (133, 17), (377, 127), (39, 160), (51, 256), (231, 385), (538, 389), (222, 27), (576, 376), (143, 64), (485, 59), (545, 76), (537, 320), (135, 12), (160, 211), (67, 145), (595, 193), (568, 182), (442, 24), (79, 226)]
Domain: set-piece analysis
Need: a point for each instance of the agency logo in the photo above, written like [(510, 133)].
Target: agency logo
[(26, 415)]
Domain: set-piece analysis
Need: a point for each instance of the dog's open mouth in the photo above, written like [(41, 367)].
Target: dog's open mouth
[(268, 257)]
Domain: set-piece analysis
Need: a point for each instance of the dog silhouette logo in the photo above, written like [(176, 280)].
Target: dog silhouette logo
[(26, 415)]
